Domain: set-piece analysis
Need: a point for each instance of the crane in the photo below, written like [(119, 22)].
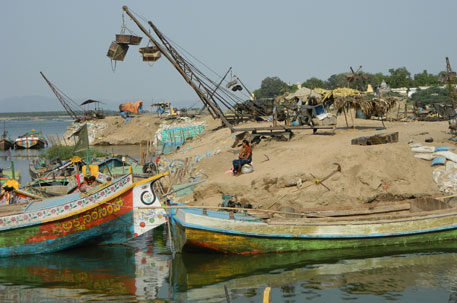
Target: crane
[(74, 111)]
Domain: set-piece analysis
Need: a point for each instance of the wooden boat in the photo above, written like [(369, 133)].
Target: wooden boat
[(31, 139), (58, 186), (11, 194), (5, 141), (412, 222), (51, 187), (119, 165), (105, 215), (6, 175)]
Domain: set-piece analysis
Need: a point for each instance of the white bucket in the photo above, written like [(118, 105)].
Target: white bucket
[(247, 168)]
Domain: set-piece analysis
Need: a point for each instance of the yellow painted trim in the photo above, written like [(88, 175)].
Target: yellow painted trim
[(151, 178)]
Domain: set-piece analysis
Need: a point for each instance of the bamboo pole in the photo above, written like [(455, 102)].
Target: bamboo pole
[(345, 117), (224, 208)]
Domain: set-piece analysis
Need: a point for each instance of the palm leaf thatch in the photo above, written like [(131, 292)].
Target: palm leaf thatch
[(370, 107)]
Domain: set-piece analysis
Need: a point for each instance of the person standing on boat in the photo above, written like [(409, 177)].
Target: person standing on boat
[(245, 157)]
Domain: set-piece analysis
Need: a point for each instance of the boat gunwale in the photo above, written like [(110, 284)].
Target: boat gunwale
[(317, 236), (69, 214), (86, 208)]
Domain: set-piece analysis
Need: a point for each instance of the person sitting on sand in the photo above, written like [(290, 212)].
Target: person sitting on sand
[(245, 157)]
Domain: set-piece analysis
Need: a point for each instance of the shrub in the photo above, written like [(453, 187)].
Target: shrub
[(64, 152)]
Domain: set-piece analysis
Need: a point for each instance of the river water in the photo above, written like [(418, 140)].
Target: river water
[(146, 269)]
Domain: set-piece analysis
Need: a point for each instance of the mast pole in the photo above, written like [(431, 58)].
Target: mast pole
[(215, 111)]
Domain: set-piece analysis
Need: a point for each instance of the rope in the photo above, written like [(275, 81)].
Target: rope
[(224, 96), (113, 67), (124, 27)]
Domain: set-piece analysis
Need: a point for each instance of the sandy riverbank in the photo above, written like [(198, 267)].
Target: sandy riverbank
[(369, 173)]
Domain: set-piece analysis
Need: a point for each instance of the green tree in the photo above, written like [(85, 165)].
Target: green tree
[(375, 79), (399, 77), (425, 79), (313, 83), (337, 80), (270, 87), (433, 94)]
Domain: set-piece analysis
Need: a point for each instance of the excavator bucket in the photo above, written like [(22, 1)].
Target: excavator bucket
[(117, 51), (150, 53), (128, 39)]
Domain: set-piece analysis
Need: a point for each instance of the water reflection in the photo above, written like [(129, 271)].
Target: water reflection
[(145, 270), (107, 273), (331, 276)]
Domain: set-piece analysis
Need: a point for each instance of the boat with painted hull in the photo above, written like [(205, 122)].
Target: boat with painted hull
[(405, 223), (31, 139), (105, 215)]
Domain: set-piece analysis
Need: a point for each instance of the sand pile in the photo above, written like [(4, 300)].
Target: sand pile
[(368, 173)]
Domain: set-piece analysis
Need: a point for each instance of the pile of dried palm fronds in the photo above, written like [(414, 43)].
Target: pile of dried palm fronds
[(368, 106)]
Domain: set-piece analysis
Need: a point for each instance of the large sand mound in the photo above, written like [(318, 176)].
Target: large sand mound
[(369, 173)]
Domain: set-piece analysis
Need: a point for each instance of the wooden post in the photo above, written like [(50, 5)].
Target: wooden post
[(345, 117), (141, 154), (352, 118), (227, 296)]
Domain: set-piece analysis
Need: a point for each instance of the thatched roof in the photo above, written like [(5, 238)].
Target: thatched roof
[(370, 107)]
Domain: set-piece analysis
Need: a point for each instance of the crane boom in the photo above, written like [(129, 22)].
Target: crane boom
[(61, 99), (186, 72)]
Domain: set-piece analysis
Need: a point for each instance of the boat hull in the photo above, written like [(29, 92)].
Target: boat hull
[(28, 143), (6, 144), (107, 216), (195, 231)]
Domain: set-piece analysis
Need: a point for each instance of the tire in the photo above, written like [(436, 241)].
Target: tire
[(150, 168)]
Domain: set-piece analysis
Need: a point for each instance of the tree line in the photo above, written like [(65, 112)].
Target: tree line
[(397, 77)]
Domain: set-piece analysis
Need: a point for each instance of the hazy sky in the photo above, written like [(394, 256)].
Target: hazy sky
[(294, 40)]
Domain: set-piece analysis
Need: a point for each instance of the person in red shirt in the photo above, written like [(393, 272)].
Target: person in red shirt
[(245, 157)]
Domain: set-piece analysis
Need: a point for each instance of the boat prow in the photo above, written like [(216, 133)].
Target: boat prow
[(107, 215)]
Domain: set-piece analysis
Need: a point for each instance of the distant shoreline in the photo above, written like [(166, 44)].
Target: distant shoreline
[(35, 118), (41, 115)]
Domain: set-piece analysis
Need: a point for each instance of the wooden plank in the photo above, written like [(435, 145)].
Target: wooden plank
[(359, 212), (12, 209), (288, 127), (376, 139)]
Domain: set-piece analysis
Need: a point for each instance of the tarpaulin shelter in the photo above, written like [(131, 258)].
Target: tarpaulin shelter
[(303, 94), (89, 101), (132, 107)]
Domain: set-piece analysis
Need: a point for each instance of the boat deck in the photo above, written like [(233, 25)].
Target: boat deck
[(12, 209)]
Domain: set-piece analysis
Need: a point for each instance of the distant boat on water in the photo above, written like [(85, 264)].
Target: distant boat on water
[(31, 139), (5, 141)]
